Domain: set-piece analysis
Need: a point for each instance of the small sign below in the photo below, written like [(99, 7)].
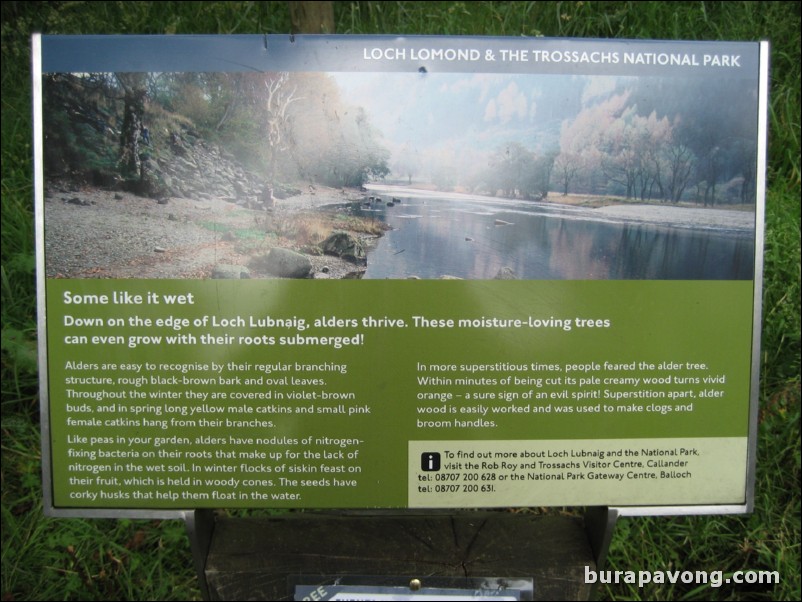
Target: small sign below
[(494, 589)]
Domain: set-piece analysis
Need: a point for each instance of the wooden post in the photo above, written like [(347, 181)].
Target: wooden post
[(258, 558), (312, 17)]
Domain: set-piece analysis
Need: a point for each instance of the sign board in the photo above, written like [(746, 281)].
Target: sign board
[(548, 292)]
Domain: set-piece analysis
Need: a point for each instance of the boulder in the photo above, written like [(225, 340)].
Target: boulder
[(286, 263), (506, 273), (345, 245), (230, 272)]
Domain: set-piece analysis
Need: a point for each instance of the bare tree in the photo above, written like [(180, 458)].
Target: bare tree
[(567, 165), (277, 101)]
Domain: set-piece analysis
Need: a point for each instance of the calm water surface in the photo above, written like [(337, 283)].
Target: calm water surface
[(474, 239)]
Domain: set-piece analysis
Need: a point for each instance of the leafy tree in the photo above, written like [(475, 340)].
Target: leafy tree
[(78, 126)]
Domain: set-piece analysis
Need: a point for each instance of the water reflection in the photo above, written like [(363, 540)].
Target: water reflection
[(436, 237)]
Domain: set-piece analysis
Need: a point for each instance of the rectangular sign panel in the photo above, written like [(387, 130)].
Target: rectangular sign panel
[(378, 272)]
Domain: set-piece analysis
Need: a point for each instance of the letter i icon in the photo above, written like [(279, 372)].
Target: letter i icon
[(429, 461)]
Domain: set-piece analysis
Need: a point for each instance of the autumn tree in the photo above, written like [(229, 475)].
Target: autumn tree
[(638, 156), (586, 140), (333, 143), (650, 136), (713, 133)]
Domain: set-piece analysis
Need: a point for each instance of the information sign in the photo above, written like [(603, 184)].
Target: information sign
[(381, 272)]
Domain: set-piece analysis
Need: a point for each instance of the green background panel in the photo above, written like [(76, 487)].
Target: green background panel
[(699, 322)]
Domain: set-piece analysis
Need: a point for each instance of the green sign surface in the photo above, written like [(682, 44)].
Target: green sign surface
[(167, 393)]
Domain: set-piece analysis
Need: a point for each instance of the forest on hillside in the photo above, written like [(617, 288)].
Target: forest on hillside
[(517, 136), (282, 127)]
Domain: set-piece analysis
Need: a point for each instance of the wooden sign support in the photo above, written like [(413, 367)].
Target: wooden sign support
[(260, 558)]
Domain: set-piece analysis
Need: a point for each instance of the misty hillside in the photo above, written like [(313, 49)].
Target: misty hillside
[(236, 135), (231, 136)]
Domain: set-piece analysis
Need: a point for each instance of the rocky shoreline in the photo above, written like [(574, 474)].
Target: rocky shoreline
[(94, 233)]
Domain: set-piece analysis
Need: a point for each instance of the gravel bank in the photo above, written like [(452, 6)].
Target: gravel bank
[(93, 233), (682, 217)]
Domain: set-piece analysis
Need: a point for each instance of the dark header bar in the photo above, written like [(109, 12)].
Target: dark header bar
[(423, 54)]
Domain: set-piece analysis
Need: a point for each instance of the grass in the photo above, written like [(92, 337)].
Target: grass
[(101, 559), (360, 225)]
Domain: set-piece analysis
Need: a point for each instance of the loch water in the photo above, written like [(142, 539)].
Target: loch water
[(433, 236)]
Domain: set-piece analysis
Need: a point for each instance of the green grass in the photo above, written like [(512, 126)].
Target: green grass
[(102, 559)]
